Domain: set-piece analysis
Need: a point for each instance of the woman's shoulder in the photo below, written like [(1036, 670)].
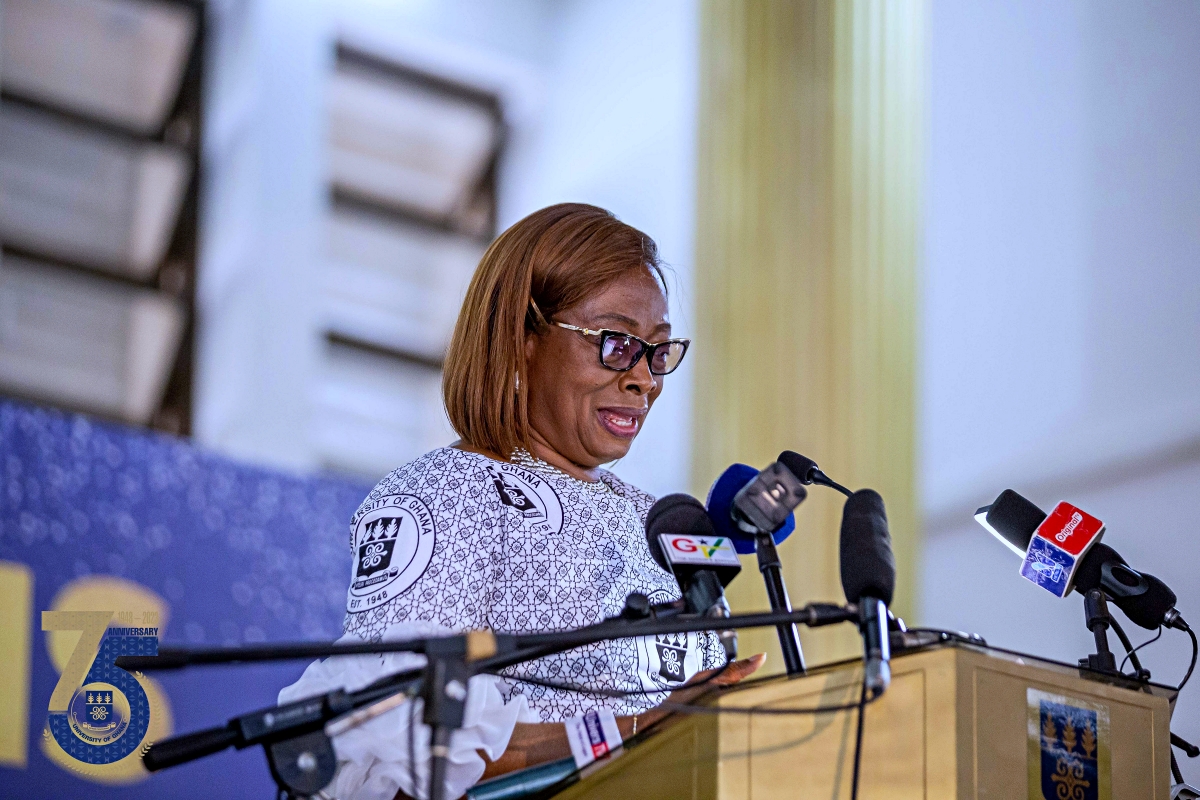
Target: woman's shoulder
[(438, 478), (640, 499)]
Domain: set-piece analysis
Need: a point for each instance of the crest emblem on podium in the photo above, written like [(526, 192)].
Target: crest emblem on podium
[(1069, 755)]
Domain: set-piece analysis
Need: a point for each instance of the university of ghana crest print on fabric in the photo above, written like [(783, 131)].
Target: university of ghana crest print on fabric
[(393, 544), (520, 547)]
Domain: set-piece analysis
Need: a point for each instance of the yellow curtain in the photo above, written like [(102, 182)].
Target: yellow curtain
[(808, 233)]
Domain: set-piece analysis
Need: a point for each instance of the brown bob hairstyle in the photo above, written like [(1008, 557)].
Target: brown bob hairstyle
[(548, 262)]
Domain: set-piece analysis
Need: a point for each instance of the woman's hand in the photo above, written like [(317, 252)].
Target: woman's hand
[(538, 743)]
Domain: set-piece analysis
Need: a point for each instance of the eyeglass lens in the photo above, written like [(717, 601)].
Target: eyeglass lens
[(621, 352)]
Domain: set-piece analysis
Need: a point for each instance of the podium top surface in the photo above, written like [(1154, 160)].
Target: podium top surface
[(1011, 656)]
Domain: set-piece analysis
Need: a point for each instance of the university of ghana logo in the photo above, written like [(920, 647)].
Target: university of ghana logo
[(667, 660), (393, 545), (530, 494), (99, 713)]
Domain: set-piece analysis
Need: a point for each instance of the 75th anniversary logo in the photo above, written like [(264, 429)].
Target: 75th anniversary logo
[(100, 719), (99, 713)]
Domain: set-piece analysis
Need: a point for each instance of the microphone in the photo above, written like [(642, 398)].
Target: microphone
[(808, 472), (682, 541), (754, 509), (1146, 600), (868, 571), (721, 509)]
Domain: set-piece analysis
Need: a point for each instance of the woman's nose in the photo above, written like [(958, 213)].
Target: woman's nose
[(639, 380)]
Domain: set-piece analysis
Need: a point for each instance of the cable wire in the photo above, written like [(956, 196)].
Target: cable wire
[(613, 693), (689, 708), (858, 737), (1151, 640), (1192, 666)]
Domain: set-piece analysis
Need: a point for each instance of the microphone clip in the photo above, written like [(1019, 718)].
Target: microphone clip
[(1095, 609), (764, 504)]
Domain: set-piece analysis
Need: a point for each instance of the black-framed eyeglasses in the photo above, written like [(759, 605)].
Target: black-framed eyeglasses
[(622, 351)]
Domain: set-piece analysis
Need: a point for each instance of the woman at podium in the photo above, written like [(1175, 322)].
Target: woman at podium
[(561, 348)]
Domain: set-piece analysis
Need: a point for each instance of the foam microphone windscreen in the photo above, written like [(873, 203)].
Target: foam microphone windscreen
[(675, 513), (1015, 518), (868, 565), (802, 467), (720, 508), (1146, 608)]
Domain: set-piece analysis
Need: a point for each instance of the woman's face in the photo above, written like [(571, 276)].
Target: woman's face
[(579, 409)]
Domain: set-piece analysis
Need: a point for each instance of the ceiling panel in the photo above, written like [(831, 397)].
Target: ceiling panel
[(74, 339), (395, 285), (120, 61), (83, 196), (405, 145), (372, 413)]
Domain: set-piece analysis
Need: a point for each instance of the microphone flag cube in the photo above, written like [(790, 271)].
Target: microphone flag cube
[(1057, 547), (686, 553), (700, 551)]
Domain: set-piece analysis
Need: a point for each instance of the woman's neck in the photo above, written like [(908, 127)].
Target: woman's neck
[(542, 449), (545, 452)]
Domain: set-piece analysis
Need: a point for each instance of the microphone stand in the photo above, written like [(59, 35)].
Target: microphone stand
[(1095, 609), (297, 736), (772, 571)]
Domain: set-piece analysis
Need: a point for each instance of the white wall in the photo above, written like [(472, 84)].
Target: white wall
[(618, 131), (263, 197), (1062, 308), (600, 102), (1061, 352)]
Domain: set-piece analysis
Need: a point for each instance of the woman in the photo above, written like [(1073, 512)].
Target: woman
[(560, 350)]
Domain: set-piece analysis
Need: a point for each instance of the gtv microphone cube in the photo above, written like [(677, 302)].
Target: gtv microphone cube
[(686, 554), (1057, 547)]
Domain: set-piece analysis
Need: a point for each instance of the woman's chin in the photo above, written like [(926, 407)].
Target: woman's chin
[(610, 447)]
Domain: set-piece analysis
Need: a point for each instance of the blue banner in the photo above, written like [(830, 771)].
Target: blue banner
[(114, 540)]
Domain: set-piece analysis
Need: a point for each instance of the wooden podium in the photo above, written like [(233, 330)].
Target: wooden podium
[(958, 722)]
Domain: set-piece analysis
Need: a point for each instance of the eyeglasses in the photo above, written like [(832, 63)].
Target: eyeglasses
[(622, 351)]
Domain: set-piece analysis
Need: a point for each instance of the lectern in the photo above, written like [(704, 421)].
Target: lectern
[(960, 722)]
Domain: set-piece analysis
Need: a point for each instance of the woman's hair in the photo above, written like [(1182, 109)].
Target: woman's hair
[(545, 264)]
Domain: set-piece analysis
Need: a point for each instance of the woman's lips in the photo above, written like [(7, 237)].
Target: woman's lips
[(621, 422)]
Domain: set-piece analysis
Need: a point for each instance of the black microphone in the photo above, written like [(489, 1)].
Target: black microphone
[(808, 472), (868, 570), (682, 541), (764, 504), (1145, 599)]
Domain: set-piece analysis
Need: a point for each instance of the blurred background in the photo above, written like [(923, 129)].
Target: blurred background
[(944, 248)]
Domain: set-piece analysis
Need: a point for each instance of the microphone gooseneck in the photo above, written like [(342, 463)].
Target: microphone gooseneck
[(808, 472)]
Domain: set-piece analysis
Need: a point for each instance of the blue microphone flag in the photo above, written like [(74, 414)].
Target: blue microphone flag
[(720, 508)]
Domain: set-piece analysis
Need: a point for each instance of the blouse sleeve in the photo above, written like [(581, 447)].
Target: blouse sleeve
[(427, 545), (390, 753)]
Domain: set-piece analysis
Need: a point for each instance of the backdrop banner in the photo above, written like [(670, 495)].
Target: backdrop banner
[(181, 547)]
